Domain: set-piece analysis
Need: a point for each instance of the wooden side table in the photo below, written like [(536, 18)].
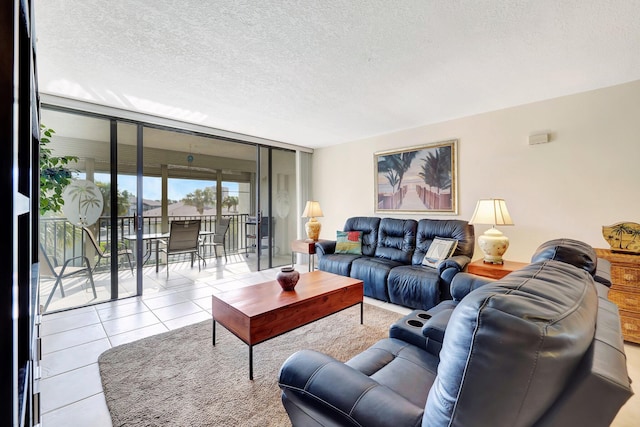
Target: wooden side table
[(493, 271), (304, 247), (625, 290)]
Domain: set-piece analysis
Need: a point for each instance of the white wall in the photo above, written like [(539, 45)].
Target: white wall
[(586, 177)]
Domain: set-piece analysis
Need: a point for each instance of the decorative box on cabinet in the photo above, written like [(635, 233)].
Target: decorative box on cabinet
[(625, 290)]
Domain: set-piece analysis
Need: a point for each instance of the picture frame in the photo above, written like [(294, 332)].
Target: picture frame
[(420, 179)]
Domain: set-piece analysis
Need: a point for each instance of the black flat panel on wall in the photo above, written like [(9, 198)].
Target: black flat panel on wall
[(8, 365), (18, 268)]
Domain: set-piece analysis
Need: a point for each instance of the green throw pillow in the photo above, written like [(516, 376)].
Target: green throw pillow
[(349, 242)]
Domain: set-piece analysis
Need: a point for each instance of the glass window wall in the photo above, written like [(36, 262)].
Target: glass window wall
[(154, 176)]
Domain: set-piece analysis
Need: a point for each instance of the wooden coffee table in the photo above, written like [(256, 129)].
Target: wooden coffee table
[(261, 312)]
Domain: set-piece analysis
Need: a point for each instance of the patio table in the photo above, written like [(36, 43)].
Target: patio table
[(149, 238)]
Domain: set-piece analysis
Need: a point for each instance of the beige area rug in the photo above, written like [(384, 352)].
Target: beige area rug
[(179, 379)]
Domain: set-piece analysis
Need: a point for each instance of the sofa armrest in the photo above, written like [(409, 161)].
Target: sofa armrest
[(458, 262), (433, 329), (463, 283), (603, 272), (308, 381), (325, 247), (447, 270)]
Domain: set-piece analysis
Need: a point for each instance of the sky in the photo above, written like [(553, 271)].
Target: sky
[(178, 188)]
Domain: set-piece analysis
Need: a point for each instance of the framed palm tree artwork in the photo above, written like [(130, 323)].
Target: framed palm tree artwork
[(419, 179)]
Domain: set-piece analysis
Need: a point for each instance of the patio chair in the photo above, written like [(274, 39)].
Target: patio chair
[(261, 242), (183, 239), (49, 267), (218, 239), (106, 254)]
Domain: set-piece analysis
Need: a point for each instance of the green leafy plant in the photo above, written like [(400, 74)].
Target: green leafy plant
[(54, 174)]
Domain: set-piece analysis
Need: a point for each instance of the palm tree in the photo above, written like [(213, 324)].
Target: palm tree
[(231, 202), (121, 196), (618, 230), (635, 233), (385, 166), (392, 177), (200, 199), (395, 166), (436, 169), (404, 163), (87, 198)]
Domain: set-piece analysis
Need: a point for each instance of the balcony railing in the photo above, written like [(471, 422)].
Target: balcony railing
[(65, 240)]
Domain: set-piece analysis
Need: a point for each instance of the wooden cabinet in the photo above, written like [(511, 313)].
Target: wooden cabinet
[(493, 271), (625, 290)]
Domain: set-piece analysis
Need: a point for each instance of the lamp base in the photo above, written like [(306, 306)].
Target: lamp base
[(493, 244), (312, 227)]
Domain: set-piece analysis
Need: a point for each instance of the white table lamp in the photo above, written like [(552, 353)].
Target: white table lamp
[(311, 211), (493, 243)]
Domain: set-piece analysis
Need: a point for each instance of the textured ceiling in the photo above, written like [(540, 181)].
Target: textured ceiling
[(318, 73)]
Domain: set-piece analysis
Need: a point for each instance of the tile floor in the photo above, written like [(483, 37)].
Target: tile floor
[(71, 391)]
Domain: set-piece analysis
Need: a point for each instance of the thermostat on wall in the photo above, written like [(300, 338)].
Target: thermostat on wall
[(540, 138)]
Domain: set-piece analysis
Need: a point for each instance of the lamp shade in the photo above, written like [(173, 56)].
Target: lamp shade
[(491, 211), (312, 210), (493, 243)]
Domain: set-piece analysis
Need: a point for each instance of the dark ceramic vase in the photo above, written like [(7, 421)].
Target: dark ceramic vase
[(288, 278)]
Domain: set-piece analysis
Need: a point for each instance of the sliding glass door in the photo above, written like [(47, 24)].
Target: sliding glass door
[(80, 231), (189, 176), (276, 199), (126, 181)]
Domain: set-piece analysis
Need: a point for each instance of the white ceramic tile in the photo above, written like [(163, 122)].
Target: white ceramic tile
[(69, 322), (130, 323), (204, 303), (69, 387), (236, 284), (135, 306), (137, 334), (177, 310), (62, 340), (372, 301), (75, 296), (61, 314), (214, 280), (117, 303), (72, 358), (92, 411), (188, 320), (160, 301), (196, 293)]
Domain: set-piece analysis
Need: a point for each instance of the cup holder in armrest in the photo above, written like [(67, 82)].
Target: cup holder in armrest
[(424, 316), (415, 323), (409, 329)]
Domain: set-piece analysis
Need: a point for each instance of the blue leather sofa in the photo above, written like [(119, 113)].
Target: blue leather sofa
[(539, 347), (390, 264)]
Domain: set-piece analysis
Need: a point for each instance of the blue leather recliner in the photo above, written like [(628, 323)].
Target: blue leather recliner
[(540, 347)]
